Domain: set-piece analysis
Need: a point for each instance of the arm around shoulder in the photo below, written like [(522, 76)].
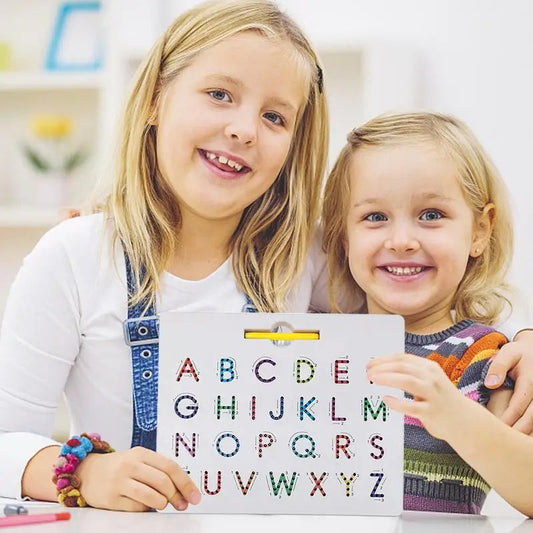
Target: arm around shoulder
[(502, 455)]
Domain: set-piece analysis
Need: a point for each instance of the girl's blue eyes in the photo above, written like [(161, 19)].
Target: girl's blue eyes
[(274, 118), (223, 96), (219, 94), (430, 215), (427, 216), (376, 217)]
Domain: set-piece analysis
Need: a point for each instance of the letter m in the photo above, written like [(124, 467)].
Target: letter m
[(368, 408)]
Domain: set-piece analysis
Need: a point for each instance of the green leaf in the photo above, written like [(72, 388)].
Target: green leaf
[(36, 160), (75, 160)]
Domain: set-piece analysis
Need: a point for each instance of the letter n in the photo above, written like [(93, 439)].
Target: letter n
[(191, 449)]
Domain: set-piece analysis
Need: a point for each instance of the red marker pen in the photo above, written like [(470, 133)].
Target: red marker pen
[(21, 520)]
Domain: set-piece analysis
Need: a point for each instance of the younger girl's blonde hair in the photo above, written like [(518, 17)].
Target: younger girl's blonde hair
[(481, 293), (270, 243)]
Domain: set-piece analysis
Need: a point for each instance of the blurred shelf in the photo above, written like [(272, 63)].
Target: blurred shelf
[(38, 81), (28, 216)]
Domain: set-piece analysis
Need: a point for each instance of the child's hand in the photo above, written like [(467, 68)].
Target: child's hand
[(436, 400), (64, 213), (135, 480), (516, 358)]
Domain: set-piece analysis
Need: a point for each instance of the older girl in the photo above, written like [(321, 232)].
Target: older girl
[(213, 205)]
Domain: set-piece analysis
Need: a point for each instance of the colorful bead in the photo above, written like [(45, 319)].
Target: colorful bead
[(71, 454)]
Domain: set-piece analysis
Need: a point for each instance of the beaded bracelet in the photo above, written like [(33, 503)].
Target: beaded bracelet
[(71, 455)]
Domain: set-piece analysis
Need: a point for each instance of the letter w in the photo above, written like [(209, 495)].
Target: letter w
[(282, 479)]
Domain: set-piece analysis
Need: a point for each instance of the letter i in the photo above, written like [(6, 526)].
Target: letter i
[(253, 408)]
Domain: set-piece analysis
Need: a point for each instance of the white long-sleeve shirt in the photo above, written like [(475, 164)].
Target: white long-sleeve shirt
[(63, 332)]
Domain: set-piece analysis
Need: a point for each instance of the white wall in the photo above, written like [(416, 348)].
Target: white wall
[(477, 64)]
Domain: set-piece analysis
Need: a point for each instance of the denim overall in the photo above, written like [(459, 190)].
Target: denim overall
[(141, 334)]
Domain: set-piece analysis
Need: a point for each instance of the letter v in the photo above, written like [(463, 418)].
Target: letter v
[(251, 479)]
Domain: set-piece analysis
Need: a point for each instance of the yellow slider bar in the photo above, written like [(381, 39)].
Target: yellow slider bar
[(281, 336)]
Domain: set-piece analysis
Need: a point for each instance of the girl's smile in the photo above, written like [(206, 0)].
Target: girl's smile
[(224, 165), (404, 272)]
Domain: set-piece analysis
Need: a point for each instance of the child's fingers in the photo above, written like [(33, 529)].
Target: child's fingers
[(393, 358), (64, 213), (182, 482), (426, 371), (178, 501), (525, 423), (143, 494), (519, 412), (401, 366), (123, 503), (401, 405), (504, 360), (406, 382), (419, 377), (159, 481)]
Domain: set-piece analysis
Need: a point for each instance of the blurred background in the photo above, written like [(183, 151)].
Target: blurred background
[(65, 68)]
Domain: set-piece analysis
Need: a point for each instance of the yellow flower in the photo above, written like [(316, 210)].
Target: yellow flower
[(51, 126)]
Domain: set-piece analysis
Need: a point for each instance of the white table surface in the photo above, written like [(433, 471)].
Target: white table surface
[(98, 521)]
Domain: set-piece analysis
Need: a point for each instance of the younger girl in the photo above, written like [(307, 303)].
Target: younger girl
[(215, 195), (417, 216)]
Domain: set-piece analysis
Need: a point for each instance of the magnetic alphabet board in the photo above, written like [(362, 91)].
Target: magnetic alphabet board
[(281, 427)]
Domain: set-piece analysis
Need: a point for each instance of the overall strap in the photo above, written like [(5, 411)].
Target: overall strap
[(248, 307), (141, 333)]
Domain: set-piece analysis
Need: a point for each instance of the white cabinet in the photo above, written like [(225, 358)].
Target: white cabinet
[(28, 90), (363, 77), (23, 95)]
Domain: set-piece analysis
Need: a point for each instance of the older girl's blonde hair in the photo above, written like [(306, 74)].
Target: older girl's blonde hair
[(481, 293), (270, 243)]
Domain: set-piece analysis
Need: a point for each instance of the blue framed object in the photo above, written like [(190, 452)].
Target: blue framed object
[(72, 50)]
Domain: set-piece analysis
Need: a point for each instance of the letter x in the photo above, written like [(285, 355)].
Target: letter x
[(318, 483)]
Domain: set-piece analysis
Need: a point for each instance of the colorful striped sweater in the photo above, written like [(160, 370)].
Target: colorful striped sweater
[(435, 477)]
